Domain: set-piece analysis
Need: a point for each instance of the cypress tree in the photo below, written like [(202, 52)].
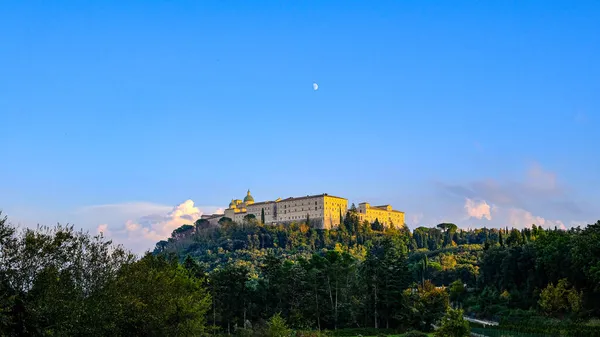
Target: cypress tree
[(262, 215)]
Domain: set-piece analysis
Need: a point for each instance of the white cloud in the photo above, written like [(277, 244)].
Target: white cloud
[(103, 228), (139, 225), (477, 209)]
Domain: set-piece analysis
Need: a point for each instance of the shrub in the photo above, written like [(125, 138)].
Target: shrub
[(276, 327), (453, 325), (415, 333)]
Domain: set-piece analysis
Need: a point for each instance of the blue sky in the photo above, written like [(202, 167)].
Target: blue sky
[(484, 113)]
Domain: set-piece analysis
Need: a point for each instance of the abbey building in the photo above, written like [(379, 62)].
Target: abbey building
[(322, 211)]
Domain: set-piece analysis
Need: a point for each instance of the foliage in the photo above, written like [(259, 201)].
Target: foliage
[(560, 299), (56, 281), (414, 333), (276, 327), (424, 307), (60, 282), (457, 291), (453, 325)]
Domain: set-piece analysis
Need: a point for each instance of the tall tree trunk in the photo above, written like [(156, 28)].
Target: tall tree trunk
[(375, 306), (214, 312), (336, 305), (317, 301)]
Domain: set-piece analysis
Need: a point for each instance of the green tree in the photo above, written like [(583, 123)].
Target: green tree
[(277, 327), (457, 291), (201, 224), (377, 226), (54, 280), (453, 325), (385, 276), (560, 299), (231, 294), (156, 296), (424, 307), (194, 268), (262, 215)]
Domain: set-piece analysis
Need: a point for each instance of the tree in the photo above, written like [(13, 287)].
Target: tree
[(447, 227), (249, 217), (182, 231), (224, 221), (56, 281), (376, 226), (201, 224), (385, 276), (457, 291), (194, 268), (453, 325), (424, 307), (231, 295), (262, 215), (276, 327), (156, 296), (560, 299)]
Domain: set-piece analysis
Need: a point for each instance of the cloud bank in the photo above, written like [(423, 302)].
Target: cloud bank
[(138, 226), (538, 197)]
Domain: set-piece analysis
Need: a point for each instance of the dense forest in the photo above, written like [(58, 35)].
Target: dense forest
[(251, 279), (362, 275)]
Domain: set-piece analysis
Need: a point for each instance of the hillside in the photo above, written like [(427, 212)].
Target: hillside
[(360, 274)]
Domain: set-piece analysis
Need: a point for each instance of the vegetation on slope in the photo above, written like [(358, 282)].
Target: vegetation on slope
[(250, 279), (356, 276)]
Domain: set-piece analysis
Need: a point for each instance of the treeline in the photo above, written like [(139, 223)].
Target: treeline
[(215, 244), (60, 282), (524, 275), (554, 271), (247, 277), (330, 290)]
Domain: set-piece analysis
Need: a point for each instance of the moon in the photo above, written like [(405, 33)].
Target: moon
[(315, 86)]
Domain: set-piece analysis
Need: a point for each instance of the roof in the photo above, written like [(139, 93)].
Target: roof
[(313, 196), (381, 208), (260, 203)]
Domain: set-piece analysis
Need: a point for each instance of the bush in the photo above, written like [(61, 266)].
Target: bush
[(415, 333), (276, 327), (453, 325)]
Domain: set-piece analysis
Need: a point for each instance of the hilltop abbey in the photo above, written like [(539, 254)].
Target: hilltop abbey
[(322, 210)]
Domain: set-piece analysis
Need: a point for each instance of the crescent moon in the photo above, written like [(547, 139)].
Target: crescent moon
[(315, 86)]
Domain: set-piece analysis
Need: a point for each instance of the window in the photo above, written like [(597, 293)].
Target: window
[(315, 208)]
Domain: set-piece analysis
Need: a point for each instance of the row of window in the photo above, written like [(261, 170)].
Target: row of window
[(295, 204)]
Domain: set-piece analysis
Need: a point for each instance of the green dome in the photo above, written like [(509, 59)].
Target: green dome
[(248, 197), (232, 204)]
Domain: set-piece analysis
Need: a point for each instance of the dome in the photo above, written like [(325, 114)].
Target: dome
[(232, 204), (248, 197)]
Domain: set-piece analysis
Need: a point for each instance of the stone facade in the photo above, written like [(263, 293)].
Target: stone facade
[(384, 214), (322, 210)]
